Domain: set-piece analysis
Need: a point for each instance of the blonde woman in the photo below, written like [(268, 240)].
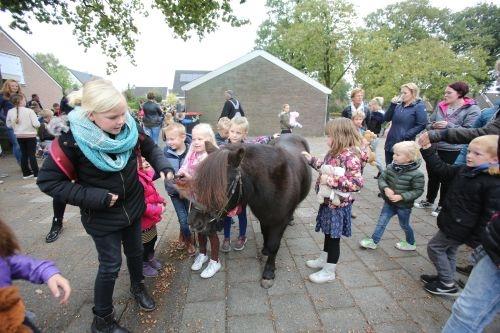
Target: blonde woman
[(101, 145), (9, 88), (408, 117)]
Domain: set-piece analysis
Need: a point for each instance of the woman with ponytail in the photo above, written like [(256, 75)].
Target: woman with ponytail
[(25, 123)]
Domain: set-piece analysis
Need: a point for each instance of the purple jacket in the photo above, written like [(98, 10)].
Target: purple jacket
[(24, 267)]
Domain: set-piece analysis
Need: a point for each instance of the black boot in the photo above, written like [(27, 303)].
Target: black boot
[(55, 230), (142, 297), (107, 324)]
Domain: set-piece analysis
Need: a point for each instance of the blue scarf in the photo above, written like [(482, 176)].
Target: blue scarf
[(96, 144)]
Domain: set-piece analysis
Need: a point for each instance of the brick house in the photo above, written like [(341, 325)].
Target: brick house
[(16, 63), (262, 83)]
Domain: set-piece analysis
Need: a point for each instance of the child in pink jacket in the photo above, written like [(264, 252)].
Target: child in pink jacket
[(155, 206)]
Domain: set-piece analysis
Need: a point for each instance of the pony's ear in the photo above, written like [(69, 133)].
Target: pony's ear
[(234, 158), (209, 147)]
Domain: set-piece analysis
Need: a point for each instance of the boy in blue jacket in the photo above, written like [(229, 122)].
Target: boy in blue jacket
[(175, 151)]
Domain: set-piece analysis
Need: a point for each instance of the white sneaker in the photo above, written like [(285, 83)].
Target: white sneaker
[(436, 211), (318, 262), (199, 261), (327, 274), (28, 177), (212, 268)]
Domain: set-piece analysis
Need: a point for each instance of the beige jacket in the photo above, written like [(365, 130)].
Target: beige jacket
[(27, 124)]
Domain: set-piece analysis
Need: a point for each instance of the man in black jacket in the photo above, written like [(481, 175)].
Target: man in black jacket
[(232, 107)]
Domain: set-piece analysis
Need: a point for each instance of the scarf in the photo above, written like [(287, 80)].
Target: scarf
[(96, 144), (399, 168)]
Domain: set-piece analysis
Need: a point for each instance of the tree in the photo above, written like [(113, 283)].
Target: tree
[(55, 69), (476, 27), (110, 23), (430, 63), (311, 35), (409, 21)]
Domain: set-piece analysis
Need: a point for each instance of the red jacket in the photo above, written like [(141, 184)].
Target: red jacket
[(153, 199)]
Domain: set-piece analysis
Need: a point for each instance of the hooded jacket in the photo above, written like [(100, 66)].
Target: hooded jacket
[(463, 117), (471, 199), (405, 180), (175, 161), (153, 199)]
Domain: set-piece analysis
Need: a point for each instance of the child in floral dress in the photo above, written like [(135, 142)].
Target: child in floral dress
[(335, 221)]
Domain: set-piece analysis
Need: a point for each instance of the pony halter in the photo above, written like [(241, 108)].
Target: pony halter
[(237, 183)]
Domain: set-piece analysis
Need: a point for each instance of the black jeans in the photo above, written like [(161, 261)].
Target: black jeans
[(388, 157), (59, 207), (109, 250), (28, 152), (435, 181)]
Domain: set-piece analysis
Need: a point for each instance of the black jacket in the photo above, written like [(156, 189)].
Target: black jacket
[(91, 191), (231, 106), (491, 239), (471, 200), (347, 113), (153, 116), (375, 122)]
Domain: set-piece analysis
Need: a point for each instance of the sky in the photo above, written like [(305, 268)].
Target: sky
[(158, 54)]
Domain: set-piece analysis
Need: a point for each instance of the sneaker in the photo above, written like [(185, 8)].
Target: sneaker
[(428, 278), (212, 268), (368, 243), (439, 288), (423, 204), (199, 261), (226, 245), (148, 270), (155, 263), (405, 246), (354, 215), (436, 211), (240, 243), (28, 177), (465, 270)]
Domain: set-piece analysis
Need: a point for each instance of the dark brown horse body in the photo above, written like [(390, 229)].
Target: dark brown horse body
[(271, 179)]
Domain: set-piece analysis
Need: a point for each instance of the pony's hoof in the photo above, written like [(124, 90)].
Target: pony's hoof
[(266, 284), (265, 251)]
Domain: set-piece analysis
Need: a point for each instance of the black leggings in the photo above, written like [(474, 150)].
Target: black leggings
[(435, 181), (149, 249), (332, 247), (28, 154)]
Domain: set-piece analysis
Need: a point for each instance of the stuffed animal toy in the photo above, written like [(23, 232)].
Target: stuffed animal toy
[(293, 119), (369, 136), (12, 311), (325, 191)]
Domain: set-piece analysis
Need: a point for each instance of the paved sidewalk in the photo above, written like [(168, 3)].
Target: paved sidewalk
[(376, 291)]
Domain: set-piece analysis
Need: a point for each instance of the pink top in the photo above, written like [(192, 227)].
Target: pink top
[(191, 162)]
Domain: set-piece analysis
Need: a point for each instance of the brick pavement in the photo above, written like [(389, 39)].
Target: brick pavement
[(376, 291)]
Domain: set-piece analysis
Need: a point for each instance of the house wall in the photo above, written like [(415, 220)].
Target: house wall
[(37, 80), (262, 88)]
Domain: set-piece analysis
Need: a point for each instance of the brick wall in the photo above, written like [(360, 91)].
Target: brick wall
[(37, 80), (262, 88)]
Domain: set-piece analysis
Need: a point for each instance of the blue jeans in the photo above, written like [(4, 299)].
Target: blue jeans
[(181, 207), (479, 302), (389, 211), (242, 221), (153, 133), (16, 149)]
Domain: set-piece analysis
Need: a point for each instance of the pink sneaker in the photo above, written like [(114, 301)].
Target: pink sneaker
[(240, 243)]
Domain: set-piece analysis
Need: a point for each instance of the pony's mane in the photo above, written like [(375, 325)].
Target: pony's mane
[(211, 180)]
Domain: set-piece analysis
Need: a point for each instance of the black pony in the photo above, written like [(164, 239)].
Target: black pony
[(271, 179)]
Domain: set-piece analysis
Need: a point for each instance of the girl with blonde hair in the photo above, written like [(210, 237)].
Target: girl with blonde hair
[(335, 220), (102, 143)]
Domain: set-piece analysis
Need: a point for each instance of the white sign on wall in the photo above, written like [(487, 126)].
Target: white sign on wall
[(11, 67)]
